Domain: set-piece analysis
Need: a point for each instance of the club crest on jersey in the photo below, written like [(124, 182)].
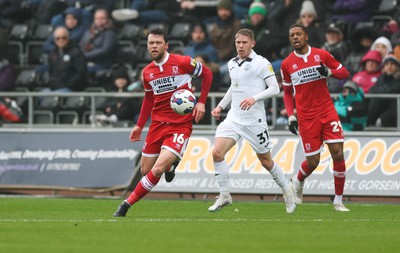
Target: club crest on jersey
[(175, 70), (317, 58), (247, 67), (308, 146)]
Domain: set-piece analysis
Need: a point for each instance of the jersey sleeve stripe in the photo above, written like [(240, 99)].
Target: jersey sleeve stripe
[(197, 70)]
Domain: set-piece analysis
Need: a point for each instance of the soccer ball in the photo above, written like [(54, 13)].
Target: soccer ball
[(183, 102)]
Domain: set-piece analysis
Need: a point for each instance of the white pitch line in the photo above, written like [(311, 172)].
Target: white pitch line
[(196, 220)]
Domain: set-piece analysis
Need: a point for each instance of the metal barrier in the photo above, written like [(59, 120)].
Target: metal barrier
[(213, 99)]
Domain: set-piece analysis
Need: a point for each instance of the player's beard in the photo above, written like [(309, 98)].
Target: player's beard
[(158, 57)]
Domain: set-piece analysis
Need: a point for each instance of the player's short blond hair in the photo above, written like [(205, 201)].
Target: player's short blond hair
[(246, 32)]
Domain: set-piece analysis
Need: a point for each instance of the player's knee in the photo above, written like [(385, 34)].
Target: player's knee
[(217, 155)]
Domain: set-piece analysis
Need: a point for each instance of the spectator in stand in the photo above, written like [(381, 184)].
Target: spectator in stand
[(361, 42), (241, 8), (351, 107), (223, 29), (99, 42), (371, 70), (9, 109), (67, 65), (354, 11), (72, 20), (119, 108), (383, 111), (214, 67), (200, 44), (335, 45), (265, 30), (309, 18), (145, 12), (383, 46)]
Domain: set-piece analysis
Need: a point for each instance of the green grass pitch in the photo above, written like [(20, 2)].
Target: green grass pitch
[(60, 225)]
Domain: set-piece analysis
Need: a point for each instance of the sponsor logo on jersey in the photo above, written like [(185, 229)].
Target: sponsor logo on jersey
[(193, 62)]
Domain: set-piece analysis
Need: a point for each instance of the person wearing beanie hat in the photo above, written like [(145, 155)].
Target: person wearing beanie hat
[(383, 112), (257, 7), (309, 18), (308, 8), (225, 4)]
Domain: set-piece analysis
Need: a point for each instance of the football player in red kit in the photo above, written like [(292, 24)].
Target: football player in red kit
[(169, 132), (304, 74)]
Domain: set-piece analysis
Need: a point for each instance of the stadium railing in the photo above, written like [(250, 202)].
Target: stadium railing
[(92, 97)]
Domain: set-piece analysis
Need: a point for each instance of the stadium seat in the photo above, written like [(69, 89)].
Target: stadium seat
[(15, 53), (180, 31), (67, 117), (19, 32), (43, 117), (41, 32), (130, 32), (35, 54), (25, 78)]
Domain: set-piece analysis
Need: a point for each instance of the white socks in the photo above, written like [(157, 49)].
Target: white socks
[(221, 174), (279, 177)]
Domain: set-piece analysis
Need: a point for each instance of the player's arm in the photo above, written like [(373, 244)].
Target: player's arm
[(332, 67), (226, 100), (145, 112), (206, 74), (288, 100)]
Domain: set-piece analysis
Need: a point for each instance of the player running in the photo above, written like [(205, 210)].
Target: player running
[(169, 132), (304, 74), (252, 81)]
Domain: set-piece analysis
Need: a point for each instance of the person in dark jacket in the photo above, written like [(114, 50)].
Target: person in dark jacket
[(99, 42), (72, 20), (119, 108), (200, 44), (67, 65), (383, 111)]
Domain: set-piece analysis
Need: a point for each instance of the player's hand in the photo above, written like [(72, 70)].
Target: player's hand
[(199, 111), (293, 125), (324, 70), (216, 113), (135, 134), (247, 103)]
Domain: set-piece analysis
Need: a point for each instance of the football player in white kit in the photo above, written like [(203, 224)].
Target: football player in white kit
[(252, 81)]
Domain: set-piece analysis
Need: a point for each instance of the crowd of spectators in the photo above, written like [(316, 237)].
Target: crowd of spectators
[(86, 47)]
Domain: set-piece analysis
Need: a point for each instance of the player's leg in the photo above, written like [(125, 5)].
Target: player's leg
[(310, 133), (339, 174), (148, 182), (170, 173), (221, 146), (277, 174)]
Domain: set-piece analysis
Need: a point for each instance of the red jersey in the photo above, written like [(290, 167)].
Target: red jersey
[(162, 79), (311, 92)]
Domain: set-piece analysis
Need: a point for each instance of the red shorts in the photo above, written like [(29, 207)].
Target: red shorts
[(171, 136), (316, 131)]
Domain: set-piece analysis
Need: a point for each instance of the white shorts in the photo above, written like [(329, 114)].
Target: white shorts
[(257, 135)]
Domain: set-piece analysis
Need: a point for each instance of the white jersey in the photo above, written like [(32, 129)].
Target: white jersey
[(248, 78)]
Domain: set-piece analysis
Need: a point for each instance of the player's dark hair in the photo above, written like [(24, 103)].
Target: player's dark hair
[(246, 32), (161, 32), (299, 26)]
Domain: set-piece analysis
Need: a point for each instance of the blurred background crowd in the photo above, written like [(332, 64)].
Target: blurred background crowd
[(100, 46)]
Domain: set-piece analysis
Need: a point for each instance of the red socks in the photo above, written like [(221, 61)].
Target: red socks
[(143, 187), (339, 176), (304, 172)]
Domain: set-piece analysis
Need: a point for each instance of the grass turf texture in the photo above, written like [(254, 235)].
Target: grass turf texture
[(33, 225)]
